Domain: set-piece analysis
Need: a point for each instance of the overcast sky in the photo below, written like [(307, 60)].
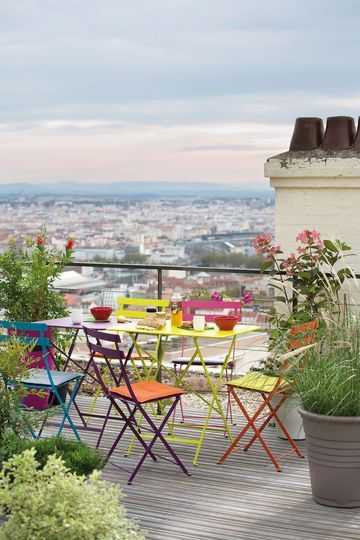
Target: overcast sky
[(172, 90)]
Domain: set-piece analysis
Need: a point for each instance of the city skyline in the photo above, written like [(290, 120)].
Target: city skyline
[(167, 90)]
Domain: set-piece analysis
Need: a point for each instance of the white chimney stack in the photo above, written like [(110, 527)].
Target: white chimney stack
[(317, 184)]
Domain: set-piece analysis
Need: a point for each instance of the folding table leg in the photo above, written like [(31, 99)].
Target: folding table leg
[(214, 400)]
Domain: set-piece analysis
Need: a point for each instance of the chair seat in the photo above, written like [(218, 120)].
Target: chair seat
[(258, 382), (146, 391), (40, 377), (183, 361)]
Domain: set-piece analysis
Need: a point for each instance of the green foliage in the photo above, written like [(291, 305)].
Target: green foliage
[(329, 381), (78, 456), (27, 275), (134, 258), (14, 360), (313, 278), (54, 503), (230, 259)]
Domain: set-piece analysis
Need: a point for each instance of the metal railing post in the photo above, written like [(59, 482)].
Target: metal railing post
[(159, 282)]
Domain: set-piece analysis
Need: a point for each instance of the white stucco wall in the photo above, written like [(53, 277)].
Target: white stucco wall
[(323, 194)]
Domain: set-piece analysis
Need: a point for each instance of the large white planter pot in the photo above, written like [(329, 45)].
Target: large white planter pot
[(290, 417)]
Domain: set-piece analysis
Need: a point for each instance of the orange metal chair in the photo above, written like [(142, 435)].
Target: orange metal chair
[(301, 339)]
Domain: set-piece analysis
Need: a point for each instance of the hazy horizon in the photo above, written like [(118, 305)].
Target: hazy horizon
[(167, 90)]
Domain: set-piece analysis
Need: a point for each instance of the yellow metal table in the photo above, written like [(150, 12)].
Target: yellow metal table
[(156, 365)]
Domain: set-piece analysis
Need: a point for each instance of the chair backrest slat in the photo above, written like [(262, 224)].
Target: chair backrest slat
[(125, 305), (210, 309), (31, 333), (108, 345), (302, 334)]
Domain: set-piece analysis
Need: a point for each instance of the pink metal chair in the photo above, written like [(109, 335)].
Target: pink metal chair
[(210, 309)]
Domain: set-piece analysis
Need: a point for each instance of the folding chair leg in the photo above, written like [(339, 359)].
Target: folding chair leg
[(94, 401), (128, 423), (229, 411), (250, 424), (158, 435), (66, 409), (104, 426)]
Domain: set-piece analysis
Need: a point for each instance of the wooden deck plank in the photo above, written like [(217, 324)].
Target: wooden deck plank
[(242, 499)]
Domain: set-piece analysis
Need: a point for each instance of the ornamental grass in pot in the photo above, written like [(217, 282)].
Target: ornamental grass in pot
[(328, 386)]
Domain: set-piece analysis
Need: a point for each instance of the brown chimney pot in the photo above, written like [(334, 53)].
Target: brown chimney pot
[(357, 138), (308, 134), (339, 133)]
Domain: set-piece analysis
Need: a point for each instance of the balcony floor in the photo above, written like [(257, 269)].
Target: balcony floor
[(242, 499)]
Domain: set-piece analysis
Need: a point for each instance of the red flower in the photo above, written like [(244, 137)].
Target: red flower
[(70, 244), (40, 241)]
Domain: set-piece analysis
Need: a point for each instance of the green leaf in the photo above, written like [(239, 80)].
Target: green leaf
[(266, 265), (280, 298), (330, 245)]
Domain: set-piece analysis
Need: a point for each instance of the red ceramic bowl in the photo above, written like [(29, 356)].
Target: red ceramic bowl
[(101, 313), (226, 322)]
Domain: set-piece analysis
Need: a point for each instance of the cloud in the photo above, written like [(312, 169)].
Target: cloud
[(183, 80)]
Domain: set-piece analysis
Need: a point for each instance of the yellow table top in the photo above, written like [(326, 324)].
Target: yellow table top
[(168, 330)]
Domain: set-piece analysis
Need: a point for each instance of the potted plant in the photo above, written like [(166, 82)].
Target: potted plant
[(328, 386), (308, 284), (14, 362), (27, 292), (27, 275)]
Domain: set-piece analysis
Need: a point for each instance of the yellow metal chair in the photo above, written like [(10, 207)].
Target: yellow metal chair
[(302, 337)]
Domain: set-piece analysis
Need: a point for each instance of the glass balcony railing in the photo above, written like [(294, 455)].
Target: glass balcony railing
[(103, 283)]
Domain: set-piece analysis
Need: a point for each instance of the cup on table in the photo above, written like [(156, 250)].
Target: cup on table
[(76, 315), (199, 322)]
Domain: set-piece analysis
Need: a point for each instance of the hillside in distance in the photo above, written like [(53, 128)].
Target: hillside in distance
[(134, 188)]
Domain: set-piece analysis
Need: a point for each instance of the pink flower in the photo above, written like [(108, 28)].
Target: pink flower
[(303, 236), (262, 243), (274, 250), (290, 261), (320, 244), (301, 250), (40, 240), (216, 296), (315, 235), (308, 237), (247, 298)]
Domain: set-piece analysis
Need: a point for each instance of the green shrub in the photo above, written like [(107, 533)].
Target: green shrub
[(54, 503), (78, 456)]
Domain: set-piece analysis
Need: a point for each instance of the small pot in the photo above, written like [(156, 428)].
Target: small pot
[(339, 134), (333, 449), (308, 134)]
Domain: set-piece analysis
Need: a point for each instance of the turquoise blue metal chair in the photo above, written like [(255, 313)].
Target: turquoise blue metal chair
[(45, 379)]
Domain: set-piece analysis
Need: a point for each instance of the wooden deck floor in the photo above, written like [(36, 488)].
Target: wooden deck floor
[(243, 499)]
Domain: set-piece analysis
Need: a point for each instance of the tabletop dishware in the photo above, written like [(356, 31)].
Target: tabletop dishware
[(226, 322), (101, 313), (76, 315), (199, 323)]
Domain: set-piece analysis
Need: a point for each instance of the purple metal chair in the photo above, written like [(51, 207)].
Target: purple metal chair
[(129, 398)]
